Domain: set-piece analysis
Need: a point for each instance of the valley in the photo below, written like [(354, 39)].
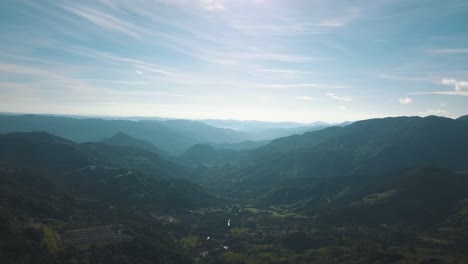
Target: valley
[(296, 199)]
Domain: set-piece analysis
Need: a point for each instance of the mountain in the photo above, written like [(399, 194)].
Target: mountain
[(52, 188), (172, 136), (124, 140), (244, 145), (264, 131), (273, 133), (416, 196), (40, 150), (247, 125), (463, 118), (294, 142), (168, 136), (203, 154), (81, 164), (367, 147), (390, 190), (204, 133), (419, 196)]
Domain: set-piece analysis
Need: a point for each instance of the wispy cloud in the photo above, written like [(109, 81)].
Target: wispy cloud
[(405, 100), (295, 85), (259, 55), (285, 25), (108, 22), (288, 28), (285, 71), (129, 82), (404, 78), (448, 51), (455, 93), (303, 97), (13, 86), (339, 98), (212, 5)]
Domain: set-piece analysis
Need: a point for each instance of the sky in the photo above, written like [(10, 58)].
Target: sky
[(271, 60)]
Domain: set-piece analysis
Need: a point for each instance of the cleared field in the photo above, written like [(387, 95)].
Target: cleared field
[(97, 235)]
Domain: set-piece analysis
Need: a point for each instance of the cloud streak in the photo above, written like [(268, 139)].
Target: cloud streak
[(449, 51), (212, 5), (305, 98), (295, 85), (108, 22), (339, 98)]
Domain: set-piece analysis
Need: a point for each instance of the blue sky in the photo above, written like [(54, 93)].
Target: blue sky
[(283, 60)]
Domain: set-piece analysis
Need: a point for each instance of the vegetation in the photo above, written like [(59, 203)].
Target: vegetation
[(376, 196)]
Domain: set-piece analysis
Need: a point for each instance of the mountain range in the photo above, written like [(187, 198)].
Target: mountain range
[(171, 136), (367, 146), (387, 190)]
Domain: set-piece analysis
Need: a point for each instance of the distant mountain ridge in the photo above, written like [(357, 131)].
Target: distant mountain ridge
[(206, 155), (124, 140), (173, 136), (365, 147)]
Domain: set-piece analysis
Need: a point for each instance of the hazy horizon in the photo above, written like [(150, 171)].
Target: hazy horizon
[(117, 117), (299, 61)]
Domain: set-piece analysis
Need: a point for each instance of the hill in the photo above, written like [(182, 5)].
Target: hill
[(365, 147), (202, 154), (171, 136), (463, 118), (417, 197), (50, 187), (89, 165), (244, 145), (124, 140)]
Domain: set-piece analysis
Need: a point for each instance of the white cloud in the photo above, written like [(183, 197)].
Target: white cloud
[(460, 88), (212, 5), (405, 100), (139, 72), (459, 85), (340, 98), (343, 108), (302, 97)]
